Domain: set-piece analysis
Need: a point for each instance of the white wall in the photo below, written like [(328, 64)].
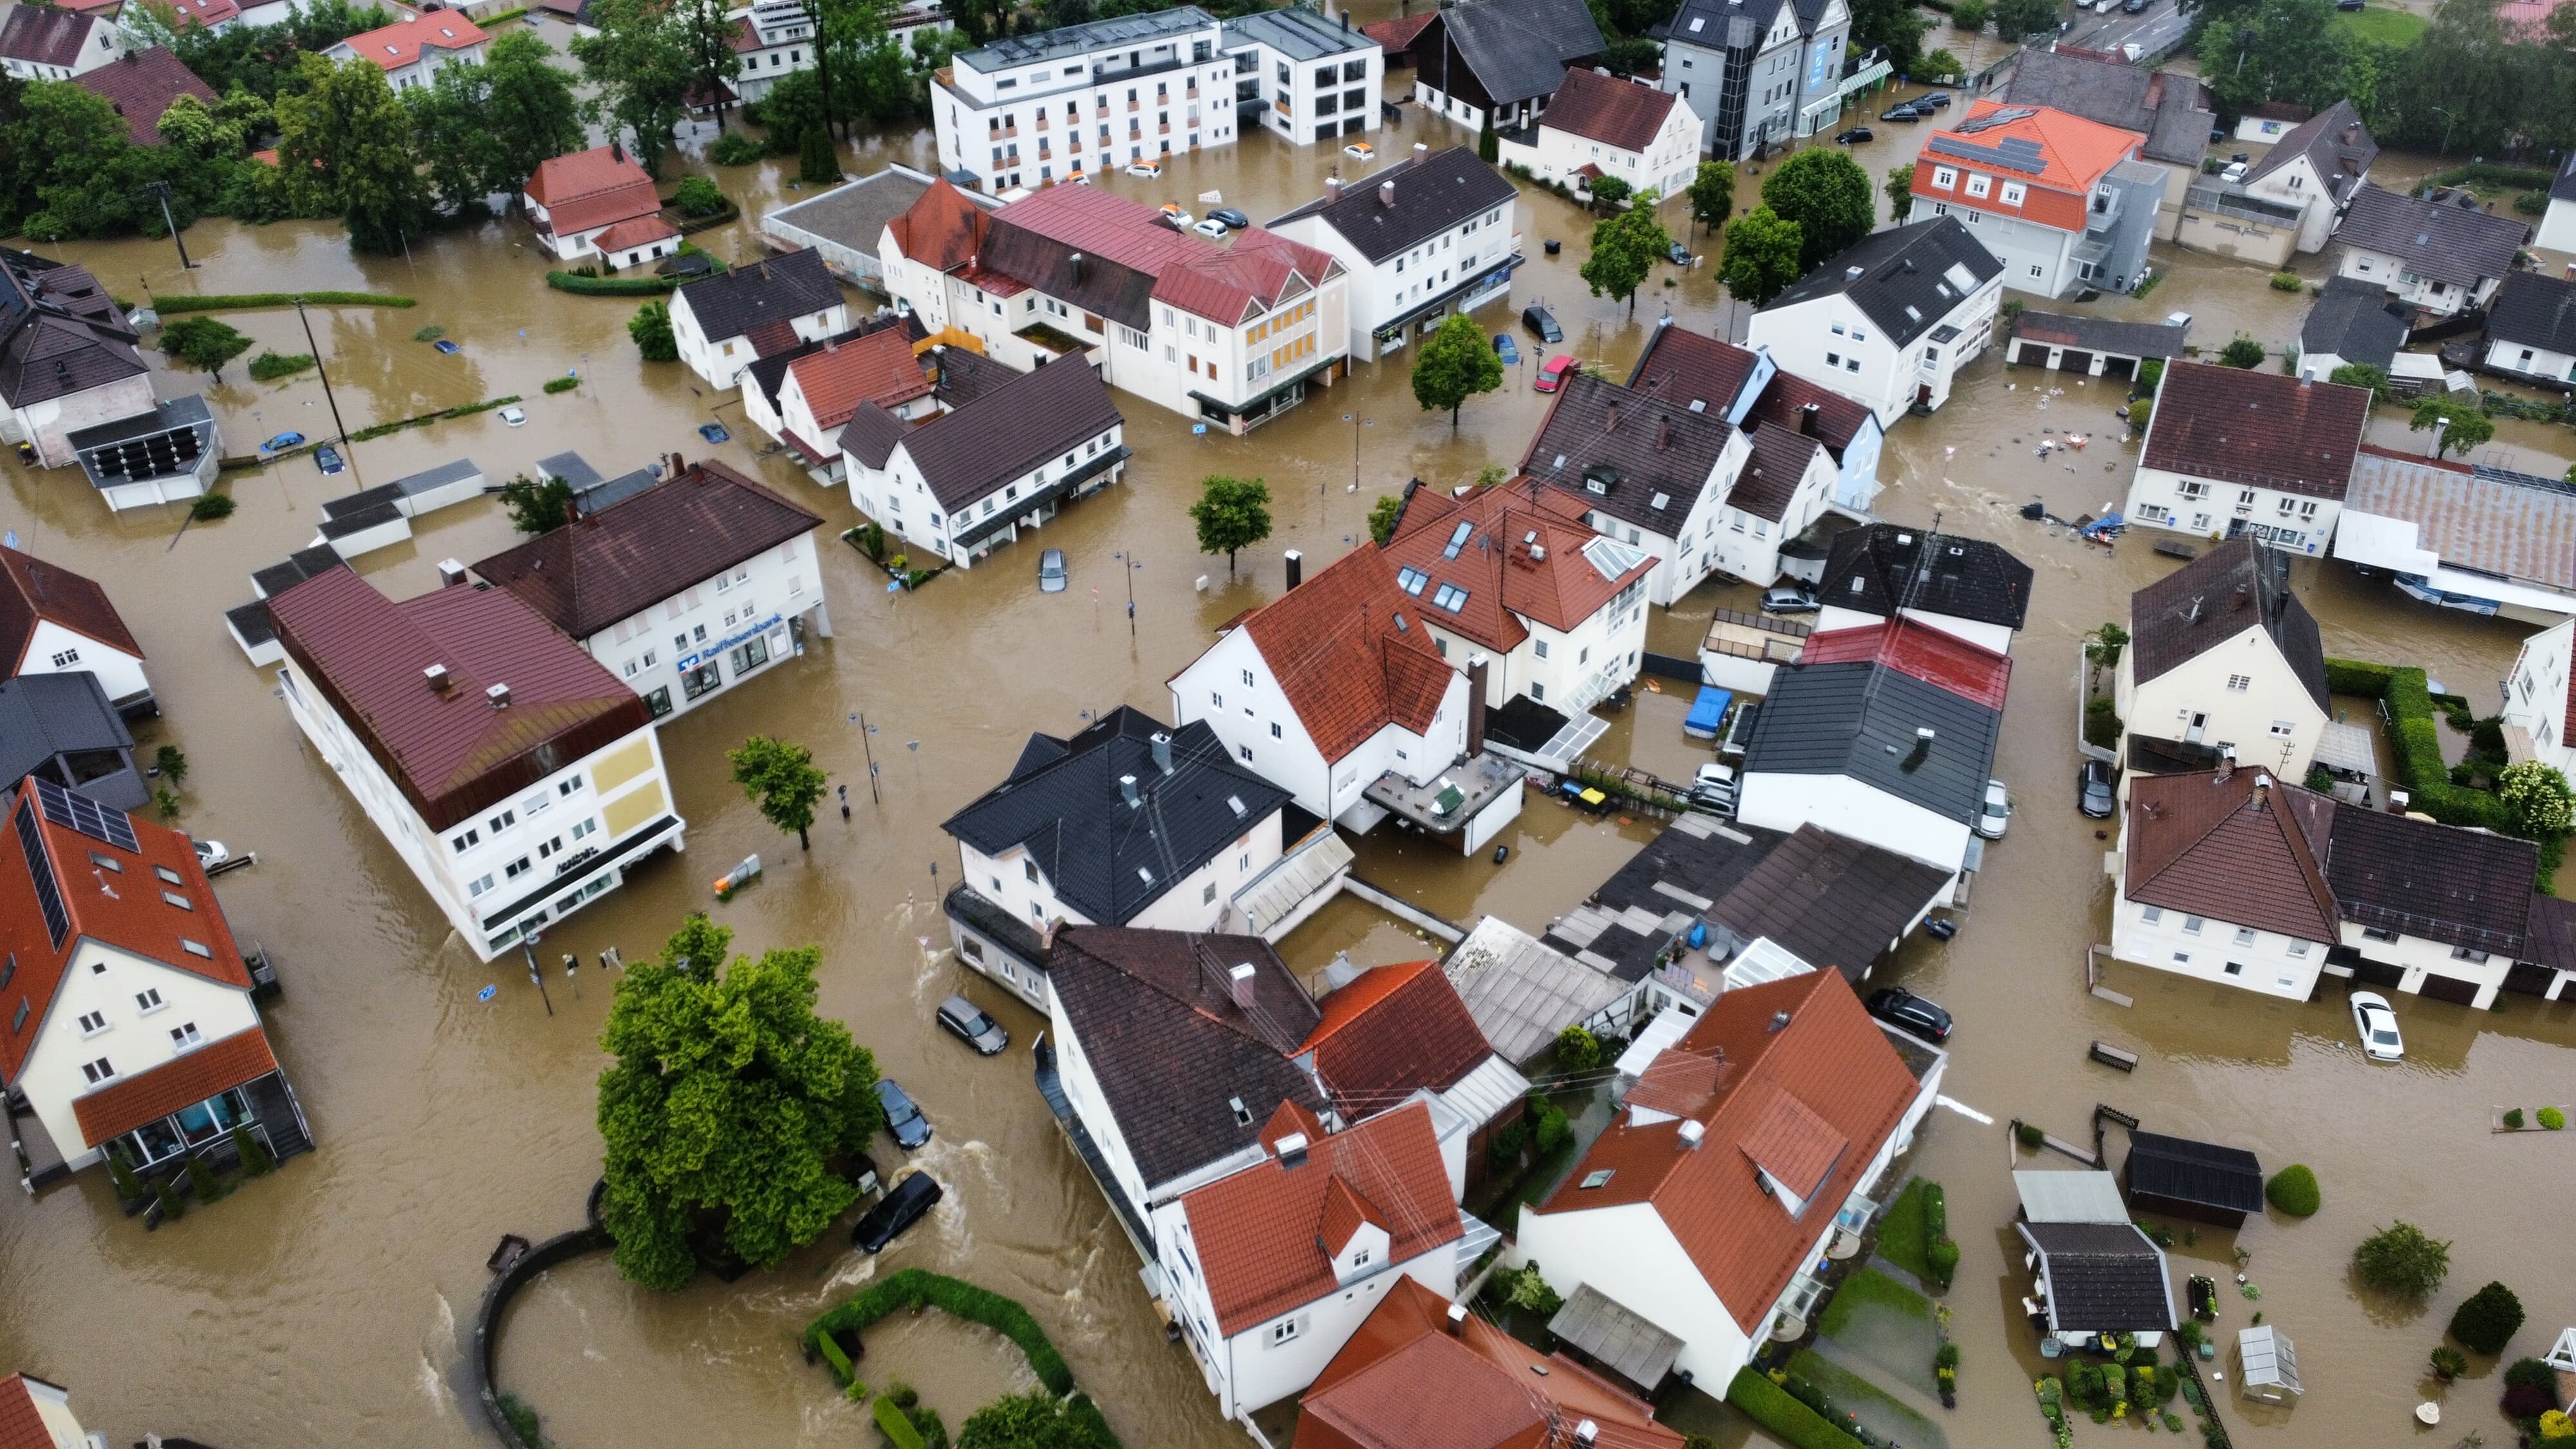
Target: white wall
[(53, 649), (713, 621), (2442, 299), (1845, 806), (2247, 717), (1310, 100), (2297, 184), (2535, 695), (1997, 637), (1667, 165), (136, 1039), (1830, 342), (1376, 293), (2213, 950), (2038, 259), (2557, 230), (50, 424), (722, 360), (2536, 361), (1212, 688), (2420, 957), (1628, 1254), (2162, 499), (976, 113)]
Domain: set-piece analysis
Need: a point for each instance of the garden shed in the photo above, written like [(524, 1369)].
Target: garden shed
[(2198, 1180), (2266, 1366)]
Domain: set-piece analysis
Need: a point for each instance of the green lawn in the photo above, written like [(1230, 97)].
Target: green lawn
[(1877, 1411), (1900, 1232), (1887, 1324), (1872, 1290), (2382, 26)]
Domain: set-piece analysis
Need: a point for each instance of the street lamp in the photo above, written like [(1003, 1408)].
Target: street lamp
[(1357, 422), (1129, 567), (2448, 121)]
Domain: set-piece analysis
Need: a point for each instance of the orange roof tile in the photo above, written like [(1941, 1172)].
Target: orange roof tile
[(1344, 1211), (1678, 1083), (1346, 668), (1395, 1030), (21, 1426), (1524, 561), (943, 229), (395, 46), (1935, 656), (598, 187), (129, 1102), (878, 368), (2074, 154), (638, 231)]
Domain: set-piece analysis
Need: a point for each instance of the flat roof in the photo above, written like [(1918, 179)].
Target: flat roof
[(1297, 34), (2474, 518), (2070, 1197), (1109, 34)]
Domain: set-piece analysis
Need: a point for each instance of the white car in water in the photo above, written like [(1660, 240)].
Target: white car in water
[(1997, 811), (2377, 1024)]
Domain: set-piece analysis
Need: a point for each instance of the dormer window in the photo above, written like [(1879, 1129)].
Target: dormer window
[(1980, 185)]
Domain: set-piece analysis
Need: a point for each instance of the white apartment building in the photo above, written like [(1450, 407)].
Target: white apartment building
[(413, 52), (1319, 81), (507, 829), (2062, 201), (1600, 126), (2233, 451), (1085, 99), (726, 322), (775, 39), (1419, 242), (1890, 321)]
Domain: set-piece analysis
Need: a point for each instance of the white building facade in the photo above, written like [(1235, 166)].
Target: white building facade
[(1891, 321), (1085, 99), (1455, 246)]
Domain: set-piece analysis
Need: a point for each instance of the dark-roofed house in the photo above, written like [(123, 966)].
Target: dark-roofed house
[(1837, 903), (2097, 1278), (2223, 656), (2199, 1180), (141, 85), (2557, 230), (1760, 72), (1639, 917), (683, 589), (60, 727), (1500, 60), (1891, 320), (515, 775), (41, 42), (1599, 125), (1747, 388), (1966, 586), (2317, 168), (2438, 256), (1447, 204), (1654, 472), (724, 322), (67, 358), (2531, 329), (2247, 453), (54, 621), (966, 481), (2093, 346), (2353, 323)]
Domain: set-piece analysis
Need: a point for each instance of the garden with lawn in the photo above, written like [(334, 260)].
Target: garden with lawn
[(1876, 1320), (2382, 25)]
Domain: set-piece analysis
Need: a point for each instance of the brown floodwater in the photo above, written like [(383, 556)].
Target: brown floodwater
[(324, 1305)]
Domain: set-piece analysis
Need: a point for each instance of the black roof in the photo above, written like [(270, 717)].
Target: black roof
[(2195, 1172), (1833, 901), (1154, 1015), (2564, 188), (1872, 569), (2440, 240), (60, 332), (2338, 147), (1905, 279), (2102, 1277), (780, 289), (44, 715), (2102, 334), (1104, 857), (1708, 23), (1684, 871), (1637, 445), (968, 453), (2164, 106), (2237, 585), (2355, 320), (2467, 888), (1860, 719), (2535, 310), (1519, 49), (1433, 194), (304, 563)]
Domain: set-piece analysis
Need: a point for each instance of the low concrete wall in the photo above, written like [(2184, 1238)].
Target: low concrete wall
[(505, 1286)]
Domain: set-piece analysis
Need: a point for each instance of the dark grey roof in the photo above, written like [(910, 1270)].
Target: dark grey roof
[(855, 215), (2335, 142), (1860, 720), (2166, 108), (2436, 239), (1432, 195), (1157, 1023), (59, 331), (2355, 320), (571, 467), (966, 454), (1091, 35), (962, 377), (1679, 876), (2102, 334), (2552, 939), (1103, 857), (1833, 901), (304, 563), (780, 289), (1905, 279), (1297, 34), (2535, 310), (2564, 188), (615, 490), (1877, 569), (430, 480), (2102, 1277), (1708, 23), (171, 439), (1519, 48), (2237, 585), (2195, 1172), (1641, 447), (2466, 888), (45, 715), (1096, 283)]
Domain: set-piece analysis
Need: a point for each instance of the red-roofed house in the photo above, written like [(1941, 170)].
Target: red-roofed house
[(212, 15), (414, 51), (2063, 202), (1698, 1216), (1395, 1034), (141, 85), (589, 202), (38, 1415), (39, 42), (54, 621), (822, 390), (130, 1014), (1600, 125), (1271, 1270)]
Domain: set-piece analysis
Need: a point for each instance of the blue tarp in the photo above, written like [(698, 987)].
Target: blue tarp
[(1707, 712)]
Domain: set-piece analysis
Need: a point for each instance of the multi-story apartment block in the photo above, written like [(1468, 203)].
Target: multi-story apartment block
[(1758, 72)]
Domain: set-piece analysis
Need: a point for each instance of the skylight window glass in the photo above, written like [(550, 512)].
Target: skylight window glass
[(1411, 580), (1458, 538), (1450, 597)]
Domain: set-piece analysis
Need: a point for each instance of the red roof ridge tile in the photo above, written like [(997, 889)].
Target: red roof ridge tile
[(1935, 656)]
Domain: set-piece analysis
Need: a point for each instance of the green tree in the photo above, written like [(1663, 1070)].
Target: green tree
[(816, 164), (1900, 192), (2465, 424), (1969, 15), (1712, 194), (2285, 50), (68, 169), (2361, 374), (1384, 514), (698, 196), (706, 45), (530, 108), (729, 1106), (1609, 191), (783, 780), (641, 67), (2488, 1319), (1940, 65), (1034, 1420), (1577, 1051), (1231, 514), (2538, 798), (1630, 57), (537, 506), (1455, 364), (203, 342), (1625, 249), (344, 145), (1828, 196), (2241, 351), (2016, 20), (1761, 259), (2401, 1259), (651, 329), (1895, 24)]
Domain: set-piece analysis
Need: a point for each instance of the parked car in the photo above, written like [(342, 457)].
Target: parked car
[(1790, 599), (282, 442), (1543, 322), (1360, 151), (1739, 731), (1997, 811), (1906, 1011), (1210, 227), (1145, 170), (905, 1203), (328, 459), (1230, 217), (972, 1026), (2094, 780), (1507, 350), (1932, 101), (1051, 579), (210, 853), (2377, 1024), (1714, 787), (2139, 7), (516, 417), (1179, 215), (2235, 171), (1677, 254), (903, 1115), (1553, 373), (1855, 136), (1902, 111)]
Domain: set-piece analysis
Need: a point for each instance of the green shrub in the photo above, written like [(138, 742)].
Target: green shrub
[(171, 1208), (2101, 728), (585, 284), (892, 1423), (2513, 1118), (255, 1161), (429, 333), (211, 506), (1944, 1258), (2241, 351), (913, 1288), (1946, 1356), (2029, 1134), (698, 196), (247, 301), (1577, 1050), (524, 1425), (734, 148), (2488, 1319), (1791, 1422), (1969, 15), (270, 366), (2553, 1119), (1529, 1290), (121, 1173), (2447, 1362), (2530, 1373), (2402, 1259), (1504, 1148), (201, 1183), (2418, 742), (2293, 1190), (2533, 202), (562, 384), (842, 1372), (2285, 281)]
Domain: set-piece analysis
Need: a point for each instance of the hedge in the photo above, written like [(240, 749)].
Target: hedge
[(245, 301), (2418, 742), (2517, 176), (611, 286), (913, 1288), (896, 1426), (496, 19), (460, 411), (1793, 1423)]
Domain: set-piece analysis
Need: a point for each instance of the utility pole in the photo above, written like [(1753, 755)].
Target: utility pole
[(536, 978), (1128, 566), (161, 190), (318, 366), (871, 753)]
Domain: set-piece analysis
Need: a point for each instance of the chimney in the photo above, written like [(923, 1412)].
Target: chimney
[(617, 151), (1075, 261), (1332, 189), (436, 674), (1296, 563), (1127, 791), (1386, 193), (2226, 763), (1610, 418), (831, 344), (1664, 434), (499, 694), (2243, 597), (1162, 747), (680, 466), (1586, 1435), (1477, 669), (1292, 1148), (1421, 152), (1693, 1134), (450, 573), (1807, 417), (1456, 1320), (1346, 21), (1779, 1021), (1238, 985)]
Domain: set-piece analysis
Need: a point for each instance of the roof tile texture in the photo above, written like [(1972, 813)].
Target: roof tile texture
[(1507, 587), (878, 368), (2241, 426), (1624, 114), (33, 591), (2074, 153), (141, 85), (129, 1102), (395, 46), (598, 187), (1395, 1029), (1346, 669), (1935, 656), (2232, 850)]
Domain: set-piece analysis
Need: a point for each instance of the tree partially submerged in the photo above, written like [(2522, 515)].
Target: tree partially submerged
[(1761, 256), (1827, 194), (1455, 364), (1231, 514), (1625, 249), (783, 780)]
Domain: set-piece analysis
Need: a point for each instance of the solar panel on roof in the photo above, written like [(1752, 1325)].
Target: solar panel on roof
[(2012, 153), (81, 813), (40, 868)]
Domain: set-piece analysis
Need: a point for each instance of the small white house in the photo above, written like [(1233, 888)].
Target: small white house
[(2531, 329), (597, 203), (1600, 126), (54, 621), (1964, 586), (1420, 242), (2231, 452), (2438, 256), (2316, 167), (726, 322), (2223, 656), (2537, 699), (1891, 320), (413, 52), (39, 42)]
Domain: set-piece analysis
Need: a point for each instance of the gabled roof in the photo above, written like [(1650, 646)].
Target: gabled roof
[(2061, 155), (1823, 1086), (1525, 557), (1173, 1052), (1937, 657), (2438, 240), (1347, 670), (141, 84), (60, 332), (943, 227), (33, 591), (1643, 447), (1037, 239), (449, 751), (2237, 425), (593, 188), (878, 368), (2102, 334), (2168, 109), (1681, 873), (999, 435), (128, 1102), (2461, 887), (21, 1425), (635, 231), (2534, 310), (1396, 36), (1706, 23), (1391, 1031), (2551, 941), (608, 566), (781, 289), (2336, 144), (44, 715), (1625, 115), (1780, 460), (2101, 1277), (1433, 193), (1862, 720), (2238, 585), (2356, 320), (1886, 567), (1829, 899), (64, 861), (208, 13), (1519, 49), (2564, 188), (2245, 849), (1261, 1232), (395, 46), (42, 35), (1906, 279), (1790, 401), (1693, 370), (1105, 858), (2230, 1178)]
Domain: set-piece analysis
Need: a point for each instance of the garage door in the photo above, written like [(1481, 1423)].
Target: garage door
[(2075, 362), (2450, 988), (2030, 354), (2376, 973), (2530, 979), (2122, 368)]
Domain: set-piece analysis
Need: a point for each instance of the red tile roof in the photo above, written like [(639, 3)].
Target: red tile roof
[(141, 85), (1346, 669), (1257, 1230), (208, 13), (1970, 671), (942, 230), (594, 188), (2234, 850), (1345, 1211), (1506, 585), (2233, 425), (39, 35), (1622, 113), (878, 368), (450, 752), (2074, 154), (1831, 1061), (1393, 1030), (21, 1427), (121, 907), (640, 231), (1677, 1083), (32, 591), (396, 46), (1226, 281), (129, 1102), (1394, 36)]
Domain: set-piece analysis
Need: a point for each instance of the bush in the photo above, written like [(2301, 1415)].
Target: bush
[(698, 196), (1552, 1128), (171, 1208), (270, 366), (2523, 1401), (1937, 65), (2293, 1190), (429, 333), (121, 1173), (1577, 1051), (2488, 1319), (842, 1373), (2553, 1119), (211, 506), (2447, 1362), (247, 301), (913, 1288), (2102, 724), (734, 148), (202, 1185), (1946, 1356), (255, 1160), (1969, 15), (2418, 744), (562, 384), (2241, 351), (2285, 281), (1504, 1148), (1528, 1290), (2533, 202), (2513, 1119), (2029, 1134), (586, 283), (524, 1425), (1788, 1420), (651, 329), (894, 1425), (2402, 1259), (1944, 1258)]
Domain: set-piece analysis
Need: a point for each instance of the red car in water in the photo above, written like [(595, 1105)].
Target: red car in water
[(1553, 375)]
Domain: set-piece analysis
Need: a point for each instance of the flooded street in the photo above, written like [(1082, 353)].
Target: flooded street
[(329, 1304)]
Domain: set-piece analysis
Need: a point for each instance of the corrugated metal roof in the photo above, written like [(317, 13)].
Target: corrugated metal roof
[(2070, 1197), (2473, 521)]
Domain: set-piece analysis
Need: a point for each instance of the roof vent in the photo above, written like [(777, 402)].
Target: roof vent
[(1332, 188), (499, 694), (1075, 263), (1162, 747), (1779, 1021), (1421, 152), (1693, 1134), (1386, 193), (1127, 791), (1923, 732), (1238, 985), (1456, 1319), (1851, 274), (1292, 1148), (436, 674), (1586, 1434), (1538, 553)]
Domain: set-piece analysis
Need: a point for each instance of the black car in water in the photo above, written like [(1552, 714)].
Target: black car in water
[(1855, 136), (1906, 1011), (903, 1205), (1231, 217), (1543, 322), (2093, 794), (903, 1115)]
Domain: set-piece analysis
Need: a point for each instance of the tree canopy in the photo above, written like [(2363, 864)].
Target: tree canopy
[(706, 32), (1712, 193), (203, 342), (485, 128), (1896, 24), (2403, 1260), (1384, 514), (2469, 426), (783, 780), (535, 505), (1034, 1420), (1761, 259), (1900, 191), (651, 329), (641, 64), (1455, 364), (1827, 194), (2017, 19), (729, 1109), (1625, 249), (1231, 514), (2285, 50), (344, 145)]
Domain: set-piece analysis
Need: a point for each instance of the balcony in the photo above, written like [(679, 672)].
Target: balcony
[(2104, 211), (1164, 129), (1042, 120)]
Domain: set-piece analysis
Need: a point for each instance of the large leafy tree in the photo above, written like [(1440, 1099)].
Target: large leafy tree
[(641, 66), (1761, 256), (1895, 24), (728, 1109), (1828, 195), (1455, 364), (345, 144), (2468, 425), (2015, 19), (1900, 192), (264, 61), (73, 171), (203, 342), (782, 780), (651, 329), (1231, 514), (1625, 249), (2285, 50), (1712, 194), (531, 109), (706, 39)]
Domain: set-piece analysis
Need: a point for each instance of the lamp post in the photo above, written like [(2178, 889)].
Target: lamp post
[(1128, 566), (161, 192), (2448, 121)]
